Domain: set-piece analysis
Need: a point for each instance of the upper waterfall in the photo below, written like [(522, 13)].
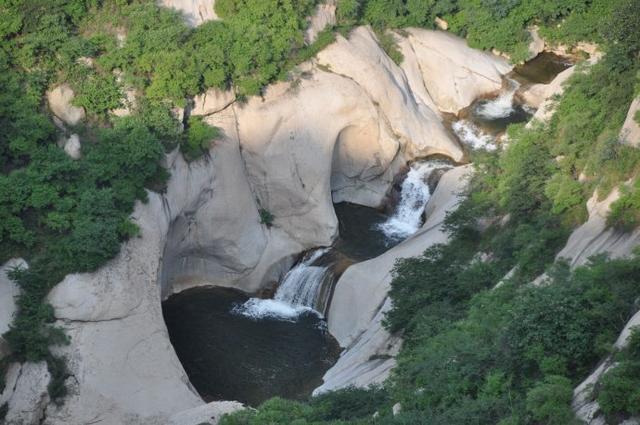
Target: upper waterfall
[(415, 193)]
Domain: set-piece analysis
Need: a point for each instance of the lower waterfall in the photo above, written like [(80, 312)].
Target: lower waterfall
[(305, 288)]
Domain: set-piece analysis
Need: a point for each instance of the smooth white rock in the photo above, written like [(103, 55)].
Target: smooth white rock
[(212, 101), (454, 73), (59, 100), (195, 12), (323, 17), (630, 133), (594, 237), (209, 413), (72, 147)]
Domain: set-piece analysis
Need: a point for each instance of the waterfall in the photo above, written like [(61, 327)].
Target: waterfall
[(471, 135), (414, 195), (305, 288), (501, 106)]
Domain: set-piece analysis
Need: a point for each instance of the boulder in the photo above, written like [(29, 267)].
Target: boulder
[(454, 73), (630, 133), (324, 16), (195, 12), (72, 147), (356, 320), (60, 99), (441, 23), (537, 44)]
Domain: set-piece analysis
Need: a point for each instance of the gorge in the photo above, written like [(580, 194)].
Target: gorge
[(266, 267)]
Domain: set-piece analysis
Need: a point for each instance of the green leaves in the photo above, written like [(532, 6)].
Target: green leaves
[(198, 138)]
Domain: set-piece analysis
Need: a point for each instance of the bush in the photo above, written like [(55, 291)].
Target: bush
[(348, 12), (549, 402), (266, 217), (347, 404), (198, 139), (619, 393), (390, 47)]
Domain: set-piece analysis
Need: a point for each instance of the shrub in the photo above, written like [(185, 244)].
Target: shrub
[(348, 12), (348, 403), (390, 47), (549, 402), (266, 217), (619, 392), (198, 139)]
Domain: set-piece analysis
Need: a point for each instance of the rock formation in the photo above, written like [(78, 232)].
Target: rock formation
[(630, 133), (60, 99), (542, 96), (195, 12), (455, 74), (8, 291), (324, 16)]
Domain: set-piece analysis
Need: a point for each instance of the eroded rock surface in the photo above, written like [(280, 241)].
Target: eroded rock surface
[(455, 74), (630, 132), (60, 99), (324, 16), (195, 12), (595, 237)]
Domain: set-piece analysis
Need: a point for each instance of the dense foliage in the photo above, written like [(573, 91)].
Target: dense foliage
[(499, 24)]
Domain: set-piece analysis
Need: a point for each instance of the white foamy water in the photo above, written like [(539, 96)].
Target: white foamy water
[(501, 106), (414, 195), (299, 292), (472, 136)]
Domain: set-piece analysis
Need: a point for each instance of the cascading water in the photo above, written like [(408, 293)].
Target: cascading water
[(487, 119), (501, 106), (414, 195), (472, 136), (305, 288)]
